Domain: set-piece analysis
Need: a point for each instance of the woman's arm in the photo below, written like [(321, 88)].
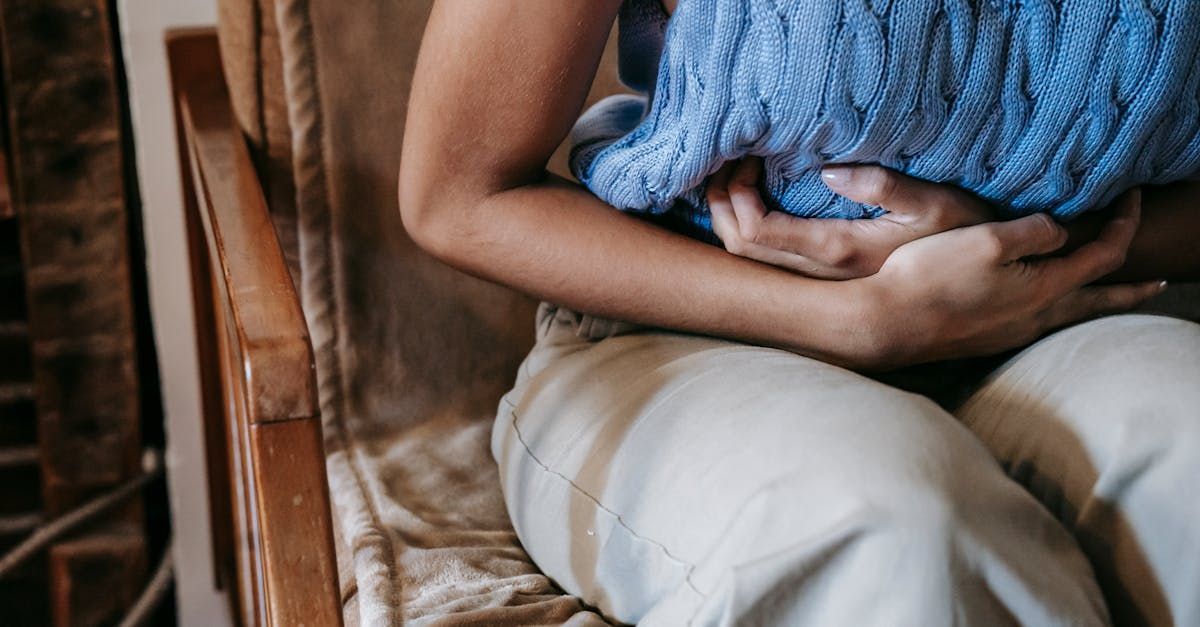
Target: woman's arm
[(497, 87), (1166, 244)]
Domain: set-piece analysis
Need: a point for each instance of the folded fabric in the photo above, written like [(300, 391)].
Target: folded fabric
[(1036, 105)]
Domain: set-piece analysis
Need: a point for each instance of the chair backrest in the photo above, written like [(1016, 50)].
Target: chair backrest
[(320, 87)]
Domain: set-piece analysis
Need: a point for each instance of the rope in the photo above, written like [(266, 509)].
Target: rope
[(155, 590), (151, 468)]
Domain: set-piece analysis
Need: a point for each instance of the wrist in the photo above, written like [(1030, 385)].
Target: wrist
[(895, 325), (874, 316), (853, 327)]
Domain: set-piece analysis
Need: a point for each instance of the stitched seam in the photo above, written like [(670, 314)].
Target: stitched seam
[(689, 567), (740, 509), (687, 579)]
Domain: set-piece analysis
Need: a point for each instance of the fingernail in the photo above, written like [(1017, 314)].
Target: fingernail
[(837, 175), (1162, 286)]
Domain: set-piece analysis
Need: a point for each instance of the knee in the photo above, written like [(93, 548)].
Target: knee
[(1093, 409), (1125, 359), (927, 486), (1107, 383), (921, 513), (917, 526), (1138, 377), (912, 493), (911, 485)]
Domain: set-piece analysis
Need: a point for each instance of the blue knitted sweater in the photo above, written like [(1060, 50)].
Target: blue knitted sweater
[(1035, 105)]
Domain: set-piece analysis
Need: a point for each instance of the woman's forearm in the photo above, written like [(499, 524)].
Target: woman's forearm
[(559, 243), (1165, 247)]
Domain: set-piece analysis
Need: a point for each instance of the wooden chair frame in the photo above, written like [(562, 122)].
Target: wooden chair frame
[(271, 519)]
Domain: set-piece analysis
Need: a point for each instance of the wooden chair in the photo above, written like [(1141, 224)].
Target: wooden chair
[(349, 380)]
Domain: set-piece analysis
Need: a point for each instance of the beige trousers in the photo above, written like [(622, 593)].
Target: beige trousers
[(676, 480)]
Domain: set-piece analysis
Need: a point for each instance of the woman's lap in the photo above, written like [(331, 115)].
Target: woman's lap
[(666, 477)]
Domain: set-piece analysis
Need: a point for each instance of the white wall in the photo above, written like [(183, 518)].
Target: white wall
[(143, 23)]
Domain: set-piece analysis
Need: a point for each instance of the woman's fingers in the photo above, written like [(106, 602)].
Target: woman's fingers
[(1090, 302), (726, 226), (936, 207), (1103, 255), (1030, 236), (834, 248), (748, 204), (1094, 260), (741, 220), (824, 248), (773, 229), (724, 221)]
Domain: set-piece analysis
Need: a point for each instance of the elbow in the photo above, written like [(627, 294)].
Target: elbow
[(427, 216), (444, 205)]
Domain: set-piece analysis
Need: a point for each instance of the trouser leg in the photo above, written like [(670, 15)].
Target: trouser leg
[(1102, 423)]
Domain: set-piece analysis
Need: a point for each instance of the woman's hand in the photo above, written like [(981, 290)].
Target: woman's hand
[(834, 248), (987, 288)]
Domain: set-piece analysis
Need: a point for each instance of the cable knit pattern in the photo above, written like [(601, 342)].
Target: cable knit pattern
[(1035, 105)]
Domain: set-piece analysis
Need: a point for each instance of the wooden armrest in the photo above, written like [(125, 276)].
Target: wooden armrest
[(276, 351), (272, 521)]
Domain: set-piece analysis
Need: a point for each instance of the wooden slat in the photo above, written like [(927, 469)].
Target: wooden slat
[(15, 392), (19, 523), (18, 456), (244, 534), (14, 329)]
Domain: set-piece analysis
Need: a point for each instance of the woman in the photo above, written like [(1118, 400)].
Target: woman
[(718, 459)]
